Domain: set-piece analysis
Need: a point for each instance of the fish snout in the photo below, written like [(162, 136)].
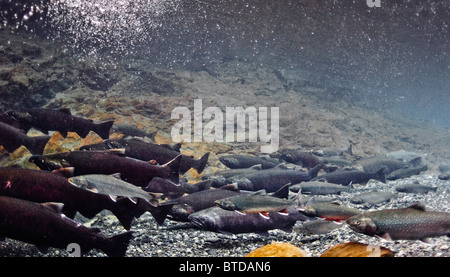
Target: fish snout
[(226, 205), (362, 224)]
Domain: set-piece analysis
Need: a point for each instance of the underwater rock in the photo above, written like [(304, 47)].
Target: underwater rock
[(96, 80), (162, 138), (278, 249), (356, 249), (73, 141), (31, 74), (3, 153), (157, 85), (58, 143), (20, 77), (91, 138), (32, 51), (18, 158)]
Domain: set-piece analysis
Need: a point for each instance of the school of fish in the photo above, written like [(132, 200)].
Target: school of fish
[(130, 176)]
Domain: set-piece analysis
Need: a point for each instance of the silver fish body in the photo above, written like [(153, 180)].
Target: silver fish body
[(111, 185), (372, 197), (254, 203), (318, 188)]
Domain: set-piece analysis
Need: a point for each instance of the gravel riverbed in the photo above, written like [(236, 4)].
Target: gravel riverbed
[(179, 239)]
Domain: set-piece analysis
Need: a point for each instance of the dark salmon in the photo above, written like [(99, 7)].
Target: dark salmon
[(219, 178), (44, 226), (246, 161), (145, 151), (134, 171), (346, 177), (305, 159), (174, 190), (373, 164), (12, 138), (272, 179), (229, 222), (62, 121), (44, 186)]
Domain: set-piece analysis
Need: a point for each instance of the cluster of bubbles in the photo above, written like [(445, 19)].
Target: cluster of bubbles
[(115, 26), (90, 27)]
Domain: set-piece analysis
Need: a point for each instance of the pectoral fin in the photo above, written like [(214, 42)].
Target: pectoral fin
[(265, 215), (385, 236)]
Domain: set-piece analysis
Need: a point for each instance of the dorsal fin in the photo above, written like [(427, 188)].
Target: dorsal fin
[(283, 192), (232, 187)]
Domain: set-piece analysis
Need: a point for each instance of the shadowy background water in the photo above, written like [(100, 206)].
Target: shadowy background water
[(392, 57)]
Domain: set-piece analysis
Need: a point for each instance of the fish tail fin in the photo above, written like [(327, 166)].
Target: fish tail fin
[(125, 213), (283, 192), (379, 175), (102, 129), (87, 211), (202, 163), (119, 244), (39, 145), (159, 213), (350, 149), (174, 166)]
